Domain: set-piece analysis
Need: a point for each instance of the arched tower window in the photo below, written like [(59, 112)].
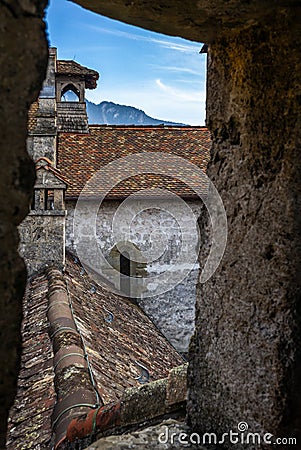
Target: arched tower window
[(70, 94)]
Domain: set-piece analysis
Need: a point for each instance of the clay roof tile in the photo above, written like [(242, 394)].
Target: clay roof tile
[(81, 155)]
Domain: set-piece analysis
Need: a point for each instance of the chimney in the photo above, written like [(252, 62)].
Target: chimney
[(42, 233)]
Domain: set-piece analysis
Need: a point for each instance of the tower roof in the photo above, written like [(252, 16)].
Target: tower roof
[(72, 68)]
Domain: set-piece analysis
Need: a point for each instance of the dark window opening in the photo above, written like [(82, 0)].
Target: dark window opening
[(33, 201), (125, 273), (49, 199)]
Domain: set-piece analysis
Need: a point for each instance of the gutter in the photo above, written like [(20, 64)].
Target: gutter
[(138, 405), (76, 392)]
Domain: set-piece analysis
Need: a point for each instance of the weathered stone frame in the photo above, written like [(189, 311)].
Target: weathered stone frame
[(254, 116)]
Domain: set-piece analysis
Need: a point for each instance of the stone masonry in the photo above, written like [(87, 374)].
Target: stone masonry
[(172, 311)]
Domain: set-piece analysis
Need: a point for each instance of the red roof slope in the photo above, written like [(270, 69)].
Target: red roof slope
[(117, 336), (30, 417), (117, 333), (81, 155)]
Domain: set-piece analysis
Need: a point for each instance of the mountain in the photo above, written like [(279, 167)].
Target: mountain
[(113, 114)]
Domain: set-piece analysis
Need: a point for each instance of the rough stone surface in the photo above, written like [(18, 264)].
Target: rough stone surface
[(42, 240), (22, 46), (149, 438), (38, 147), (176, 390), (245, 355), (199, 20), (172, 311)]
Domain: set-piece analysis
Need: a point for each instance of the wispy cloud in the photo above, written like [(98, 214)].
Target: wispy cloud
[(180, 94), (184, 48), (177, 69)]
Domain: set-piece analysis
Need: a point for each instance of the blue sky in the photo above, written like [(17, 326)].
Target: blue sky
[(162, 75)]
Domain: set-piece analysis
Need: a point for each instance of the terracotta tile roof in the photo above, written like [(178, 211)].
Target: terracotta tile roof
[(116, 333), (113, 347), (32, 116), (81, 155), (69, 67), (30, 416)]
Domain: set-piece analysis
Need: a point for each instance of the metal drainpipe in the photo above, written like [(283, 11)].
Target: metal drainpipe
[(74, 390)]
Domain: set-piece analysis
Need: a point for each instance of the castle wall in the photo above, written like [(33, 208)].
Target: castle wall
[(41, 146), (173, 310)]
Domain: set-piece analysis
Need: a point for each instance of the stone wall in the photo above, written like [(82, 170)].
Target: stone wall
[(41, 141), (41, 147), (172, 311), (245, 356), (23, 60)]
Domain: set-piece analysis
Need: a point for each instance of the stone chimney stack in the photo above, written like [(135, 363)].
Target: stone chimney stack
[(42, 233)]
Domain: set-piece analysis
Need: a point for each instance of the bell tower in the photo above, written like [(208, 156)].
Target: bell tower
[(71, 80), (60, 107), (42, 132)]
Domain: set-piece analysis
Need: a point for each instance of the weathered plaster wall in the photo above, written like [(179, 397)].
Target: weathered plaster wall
[(23, 59), (173, 310), (245, 355)]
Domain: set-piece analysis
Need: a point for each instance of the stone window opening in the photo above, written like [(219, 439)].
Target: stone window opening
[(70, 94), (123, 258), (49, 199), (125, 272), (43, 199)]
